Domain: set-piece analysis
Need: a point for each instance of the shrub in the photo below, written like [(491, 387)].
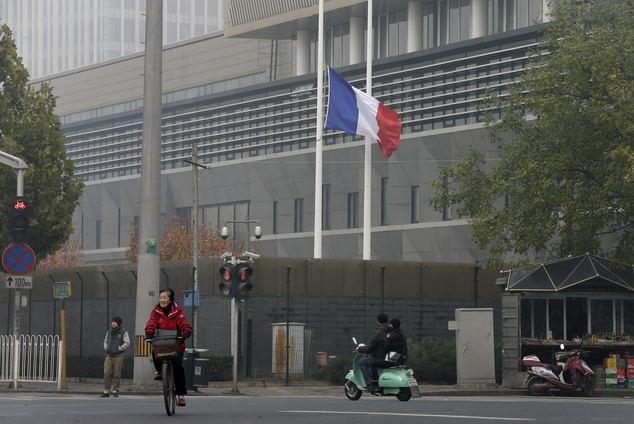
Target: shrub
[(433, 360), (220, 368), (335, 370), (92, 366)]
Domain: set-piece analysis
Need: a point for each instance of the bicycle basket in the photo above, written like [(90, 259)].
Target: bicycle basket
[(166, 344)]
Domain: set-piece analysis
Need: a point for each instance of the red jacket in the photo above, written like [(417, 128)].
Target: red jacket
[(175, 320)]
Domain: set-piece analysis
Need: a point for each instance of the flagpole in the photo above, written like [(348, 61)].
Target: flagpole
[(367, 185), (320, 130)]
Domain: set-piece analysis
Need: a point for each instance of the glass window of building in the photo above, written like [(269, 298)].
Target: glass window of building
[(384, 200), (353, 210), (414, 208), (298, 221), (325, 206)]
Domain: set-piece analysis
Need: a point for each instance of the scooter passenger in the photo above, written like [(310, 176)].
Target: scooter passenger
[(395, 341), (368, 366)]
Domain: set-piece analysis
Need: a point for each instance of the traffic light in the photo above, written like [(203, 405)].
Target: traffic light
[(243, 284), (227, 273), (19, 220)]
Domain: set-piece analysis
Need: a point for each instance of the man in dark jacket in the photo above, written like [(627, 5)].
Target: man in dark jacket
[(375, 347), (116, 341)]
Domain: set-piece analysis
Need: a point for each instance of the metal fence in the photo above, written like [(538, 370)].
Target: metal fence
[(30, 358), (324, 302)]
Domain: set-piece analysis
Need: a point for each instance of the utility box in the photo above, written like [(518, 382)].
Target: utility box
[(475, 351), (288, 344)]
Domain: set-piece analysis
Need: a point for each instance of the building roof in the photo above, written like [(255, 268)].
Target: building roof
[(587, 273)]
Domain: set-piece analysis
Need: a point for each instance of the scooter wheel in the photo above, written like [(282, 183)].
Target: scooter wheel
[(404, 394), (587, 389), (531, 387), (352, 390)]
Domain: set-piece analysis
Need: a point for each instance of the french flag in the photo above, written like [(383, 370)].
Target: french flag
[(356, 112)]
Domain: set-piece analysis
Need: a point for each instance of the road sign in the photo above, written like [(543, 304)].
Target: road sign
[(18, 259), (16, 282), (61, 289)]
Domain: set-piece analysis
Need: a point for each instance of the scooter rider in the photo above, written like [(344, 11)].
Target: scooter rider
[(368, 366), (395, 341)]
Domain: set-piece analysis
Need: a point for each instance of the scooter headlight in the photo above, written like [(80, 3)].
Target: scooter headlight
[(410, 372)]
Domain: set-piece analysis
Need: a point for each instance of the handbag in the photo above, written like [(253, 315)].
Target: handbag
[(394, 358)]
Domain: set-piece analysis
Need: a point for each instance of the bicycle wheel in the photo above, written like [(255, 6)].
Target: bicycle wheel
[(169, 392)]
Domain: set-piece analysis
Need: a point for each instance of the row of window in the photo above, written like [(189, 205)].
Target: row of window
[(428, 96), (444, 22)]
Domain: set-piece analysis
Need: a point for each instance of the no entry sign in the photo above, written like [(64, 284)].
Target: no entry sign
[(18, 259)]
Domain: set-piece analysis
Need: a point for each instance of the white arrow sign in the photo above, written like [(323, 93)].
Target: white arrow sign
[(19, 282)]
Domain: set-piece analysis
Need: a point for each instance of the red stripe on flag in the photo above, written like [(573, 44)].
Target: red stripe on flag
[(389, 130)]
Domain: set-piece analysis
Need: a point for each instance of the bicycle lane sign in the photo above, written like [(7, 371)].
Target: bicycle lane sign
[(18, 259)]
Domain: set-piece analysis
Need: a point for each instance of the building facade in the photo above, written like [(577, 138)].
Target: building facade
[(246, 97), (53, 36)]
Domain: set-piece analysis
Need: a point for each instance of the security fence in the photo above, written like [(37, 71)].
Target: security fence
[(310, 312)]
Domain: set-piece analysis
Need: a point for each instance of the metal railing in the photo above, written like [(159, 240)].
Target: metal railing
[(30, 358)]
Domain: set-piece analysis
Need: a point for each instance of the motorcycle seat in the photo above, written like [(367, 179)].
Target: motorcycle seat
[(556, 368)]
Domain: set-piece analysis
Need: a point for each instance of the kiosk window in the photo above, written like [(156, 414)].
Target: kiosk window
[(576, 317), (540, 318), (556, 318), (628, 318), (601, 313)]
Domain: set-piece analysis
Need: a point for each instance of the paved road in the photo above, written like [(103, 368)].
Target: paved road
[(55, 408)]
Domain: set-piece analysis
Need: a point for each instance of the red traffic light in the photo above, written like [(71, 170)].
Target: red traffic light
[(227, 271), (19, 220)]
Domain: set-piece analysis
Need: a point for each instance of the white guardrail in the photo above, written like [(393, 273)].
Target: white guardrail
[(30, 358)]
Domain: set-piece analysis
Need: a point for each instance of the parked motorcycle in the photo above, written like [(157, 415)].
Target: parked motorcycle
[(570, 373), (394, 381)]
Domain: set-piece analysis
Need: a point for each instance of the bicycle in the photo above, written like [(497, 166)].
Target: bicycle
[(165, 345)]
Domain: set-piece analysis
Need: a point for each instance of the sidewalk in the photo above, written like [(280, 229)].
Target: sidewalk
[(95, 387)]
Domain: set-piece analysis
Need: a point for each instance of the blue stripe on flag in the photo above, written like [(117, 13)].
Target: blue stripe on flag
[(343, 113)]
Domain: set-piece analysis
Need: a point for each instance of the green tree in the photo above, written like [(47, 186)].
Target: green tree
[(31, 131), (563, 182)]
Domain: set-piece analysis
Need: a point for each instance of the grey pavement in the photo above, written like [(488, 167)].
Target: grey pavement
[(279, 388)]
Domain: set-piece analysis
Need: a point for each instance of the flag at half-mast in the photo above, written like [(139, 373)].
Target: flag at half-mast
[(353, 111)]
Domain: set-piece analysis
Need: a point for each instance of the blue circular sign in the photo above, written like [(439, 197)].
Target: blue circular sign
[(18, 259)]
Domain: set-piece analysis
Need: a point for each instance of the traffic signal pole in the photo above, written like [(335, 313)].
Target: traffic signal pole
[(20, 167)]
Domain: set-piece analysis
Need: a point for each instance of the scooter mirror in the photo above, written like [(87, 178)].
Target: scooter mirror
[(561, 346), (354, 340)]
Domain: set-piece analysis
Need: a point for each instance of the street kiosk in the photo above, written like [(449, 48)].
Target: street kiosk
[(584, 301)]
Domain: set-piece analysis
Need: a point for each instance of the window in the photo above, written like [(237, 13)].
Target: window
[(446, 210), (298, 226), (384, 201), (353, 210), (325, 207), (275, 217), (98, 234), (414, 211)]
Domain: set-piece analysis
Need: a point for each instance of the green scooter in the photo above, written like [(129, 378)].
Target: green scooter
[(394, 381)]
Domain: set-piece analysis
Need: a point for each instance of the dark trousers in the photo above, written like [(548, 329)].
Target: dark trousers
[(368, 369), (179, 372)]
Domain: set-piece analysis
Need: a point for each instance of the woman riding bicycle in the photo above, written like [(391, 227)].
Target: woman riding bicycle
[(167, 315)]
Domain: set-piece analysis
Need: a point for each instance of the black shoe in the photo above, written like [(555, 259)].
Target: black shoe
[(105, 395), (158, 375), (115, 394), (373, 386)]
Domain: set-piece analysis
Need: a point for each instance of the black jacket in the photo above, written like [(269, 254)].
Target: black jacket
[(396, 342)]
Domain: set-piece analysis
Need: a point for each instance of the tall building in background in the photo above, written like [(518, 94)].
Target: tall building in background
[(53, 36), (247, 97)]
